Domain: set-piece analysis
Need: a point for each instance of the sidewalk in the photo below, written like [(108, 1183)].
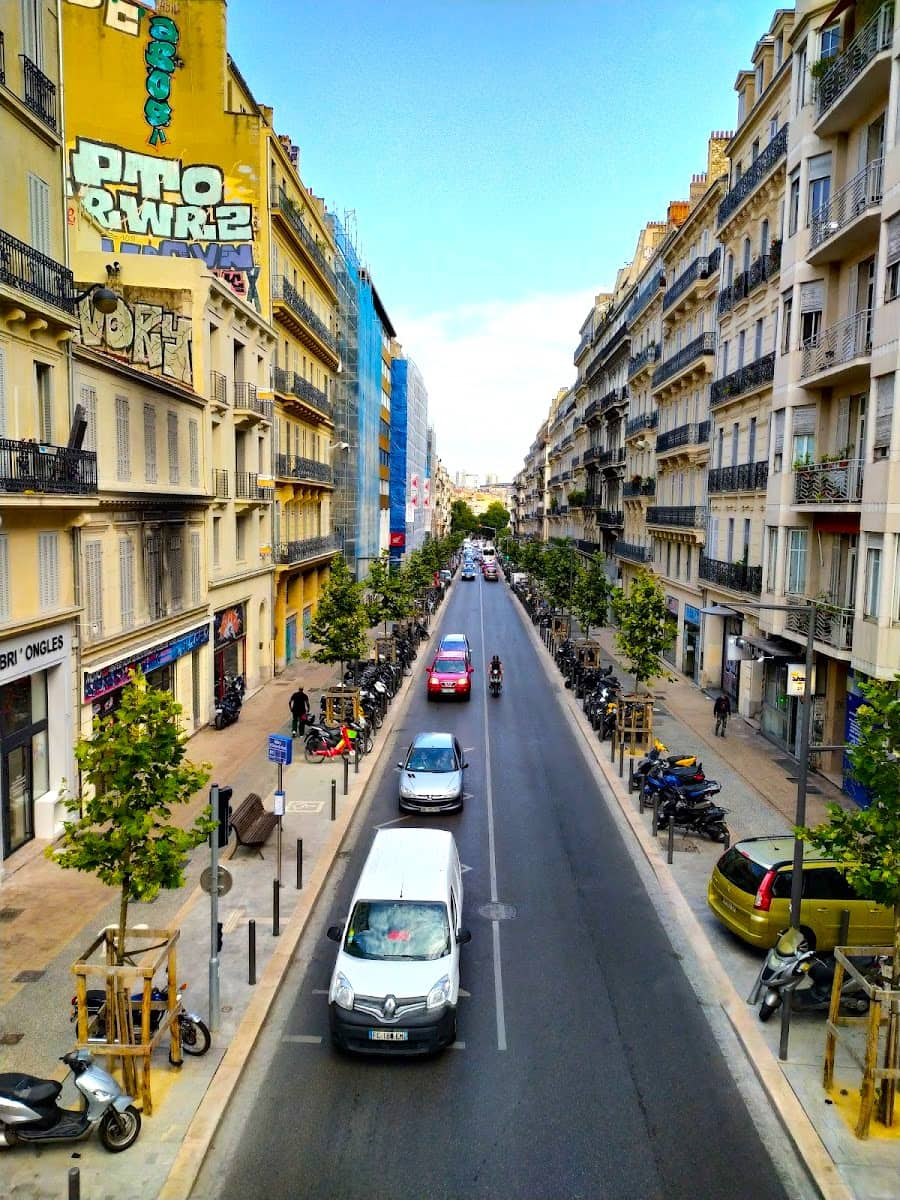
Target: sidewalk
[(50, 916)]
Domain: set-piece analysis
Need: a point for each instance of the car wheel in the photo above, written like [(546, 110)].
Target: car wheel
[(468, 695)]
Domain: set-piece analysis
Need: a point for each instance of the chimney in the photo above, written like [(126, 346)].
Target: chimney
[(717, 156)]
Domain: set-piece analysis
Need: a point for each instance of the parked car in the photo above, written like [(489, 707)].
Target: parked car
[(431, 775), (749, 891), (449, 675), (446, 576), (457, 643)]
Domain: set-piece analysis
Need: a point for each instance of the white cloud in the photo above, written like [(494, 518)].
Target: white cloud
[(491, 370)]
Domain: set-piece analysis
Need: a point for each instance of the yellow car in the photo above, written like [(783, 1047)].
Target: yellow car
[(750, 893)]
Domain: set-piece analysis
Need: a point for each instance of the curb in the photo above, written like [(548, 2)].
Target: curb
[(817, 1162)]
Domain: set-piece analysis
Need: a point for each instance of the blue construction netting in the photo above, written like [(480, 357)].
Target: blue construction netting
[(398, 492)]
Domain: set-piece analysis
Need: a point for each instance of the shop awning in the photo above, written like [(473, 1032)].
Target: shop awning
[(770, 648)]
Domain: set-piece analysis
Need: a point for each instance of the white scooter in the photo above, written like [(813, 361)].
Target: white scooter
[(29, 1111), (791, 966)]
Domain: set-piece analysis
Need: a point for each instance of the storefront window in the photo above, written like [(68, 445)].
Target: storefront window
[(23, 755)]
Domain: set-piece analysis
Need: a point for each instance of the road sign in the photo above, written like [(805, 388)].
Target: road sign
[(224, 880), (278, 806), (280, 749)]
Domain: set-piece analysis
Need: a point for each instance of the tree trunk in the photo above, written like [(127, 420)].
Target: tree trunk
[(892, 1041), (123, 920)]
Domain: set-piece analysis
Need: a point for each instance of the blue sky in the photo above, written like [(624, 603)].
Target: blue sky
[(500, 157)]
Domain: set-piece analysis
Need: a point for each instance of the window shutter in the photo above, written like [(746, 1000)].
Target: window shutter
[(778, 433), (48, 571), (175, 569), (150, 443), (39, 213), (87, 395), (194, 451), (43, 375), (3, 412), (123, 438), (126, 581), (4, 577), (842, 437), (893, 240), (804, 419), (195, 569), (812, 296), (153, 576), (32, 41), (820, 167), (172, 429), (93, 571), (712, 537), (884, 412)]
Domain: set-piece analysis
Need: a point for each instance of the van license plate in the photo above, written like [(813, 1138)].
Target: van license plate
[(388, 1035)]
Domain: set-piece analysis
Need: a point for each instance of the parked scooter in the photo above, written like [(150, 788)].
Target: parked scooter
[(677, 769), (29, 1111), (195, 1036), (696, 814), (228, 708), (791, 966)]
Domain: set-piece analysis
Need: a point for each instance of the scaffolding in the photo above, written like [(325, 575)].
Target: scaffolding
[(346, 393)]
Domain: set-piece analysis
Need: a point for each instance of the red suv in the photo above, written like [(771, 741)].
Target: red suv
[(449, 675)]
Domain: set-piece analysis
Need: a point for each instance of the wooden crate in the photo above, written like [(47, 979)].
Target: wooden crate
[(634, 723), (342, 704)]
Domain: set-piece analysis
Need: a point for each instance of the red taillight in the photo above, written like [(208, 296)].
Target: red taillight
[(763, 900)]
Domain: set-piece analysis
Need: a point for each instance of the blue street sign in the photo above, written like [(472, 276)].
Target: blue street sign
[(280, 749)]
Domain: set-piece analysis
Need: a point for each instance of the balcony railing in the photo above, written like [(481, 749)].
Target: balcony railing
[(863, 191), (683, 435), (629, 550), (582, 346), (218, 388), (220, 483), (704, 344), (762, 166), (761, 269), (649, 354), (742, 477), (833, 625), (609, 518), (282, 289), (645, 295), (700, 268), (591, 455), (611, 458), (246, 487), (738, 577), (290, 383), (839, 482), (647, 420), (285, 205), (40, 93), (839, 344), (646, 487), (36, 467), (744, 379), (874, 37), (685, 516), (592, 410), (306, 548), (246, 399), (23, 267)]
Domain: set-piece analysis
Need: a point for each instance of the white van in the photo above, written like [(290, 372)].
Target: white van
[(395, 984), (489, 553)]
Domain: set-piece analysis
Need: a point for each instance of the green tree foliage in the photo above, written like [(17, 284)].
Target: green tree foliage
[(462, 519), (644, 629), (591, 596), (388, 596), (419, 576), (559, 568), (531, 558), (866, 841), (340, 625), (496, 517), (135, 769)]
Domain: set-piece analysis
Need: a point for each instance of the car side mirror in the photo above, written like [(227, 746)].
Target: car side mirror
[(400, 766), (334, 933), (464, 936), (471, 670), (465, 765)]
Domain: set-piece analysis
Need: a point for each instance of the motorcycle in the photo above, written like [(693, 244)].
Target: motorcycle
[(496, 683), (696, 815), (228, 708), (195, 1035), (318, 747), (29, 1111), (678, 769), (791, 966)]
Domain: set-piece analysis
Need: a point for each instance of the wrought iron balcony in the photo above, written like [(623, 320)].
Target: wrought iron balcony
[(582, 346), (738, 577), (285, 291), (290, 553), (761, 269), (609, 518), (644, 487), (744, 379), (839, 482), (246, 400), (647, 420), (683, 435), (838, 345), (694, 350), (613, 399), (592, 410), (650, 354), (246, 487), (591, 455), (28, 466), (700, 268), (833, 625), (874, 37), (220, 483), (290, 383), (218, 388), (684, 516), (645, 295), (612, 458), (292, 215), (40, 93), (742, 477), (759, 170), (24, 268), (864, 191), (641, 554)]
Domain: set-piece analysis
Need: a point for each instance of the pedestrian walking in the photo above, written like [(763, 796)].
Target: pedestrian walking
[(299, 705), (721, 711)]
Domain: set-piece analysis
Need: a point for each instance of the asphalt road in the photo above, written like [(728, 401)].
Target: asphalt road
[(586, 1065)]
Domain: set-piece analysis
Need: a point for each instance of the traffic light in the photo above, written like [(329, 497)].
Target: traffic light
[(223, 815), (218, 937)]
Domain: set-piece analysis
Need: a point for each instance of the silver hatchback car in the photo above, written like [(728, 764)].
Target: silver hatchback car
[(431, 775)]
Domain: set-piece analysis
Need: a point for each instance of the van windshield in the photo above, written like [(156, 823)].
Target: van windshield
[(398, 929)]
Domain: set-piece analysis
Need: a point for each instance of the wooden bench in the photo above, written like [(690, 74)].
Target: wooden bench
[(252, 824)]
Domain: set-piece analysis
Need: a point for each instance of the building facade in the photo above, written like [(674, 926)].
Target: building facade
[(409, 519)]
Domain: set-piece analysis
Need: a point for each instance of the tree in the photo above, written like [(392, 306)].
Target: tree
[(560, 566), (531, 558), (462, 519), (389, 597), (136, 770), (340, 625), (644, 628), (591, 596), (495, 517)]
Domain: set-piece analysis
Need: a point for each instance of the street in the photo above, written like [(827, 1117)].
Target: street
[(585, 1065)]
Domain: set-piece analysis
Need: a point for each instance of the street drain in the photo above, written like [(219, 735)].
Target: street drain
[(498, 912)]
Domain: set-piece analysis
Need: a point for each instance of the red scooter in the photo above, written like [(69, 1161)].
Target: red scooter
[(318, 749)]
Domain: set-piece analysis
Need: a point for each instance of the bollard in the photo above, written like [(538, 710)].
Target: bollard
[(299, 863), (356, 761), (670, 847), (654, 826), (74, 1183), (641, 799), (844, 931), (612, 748), (630, 774), (347, 773), (251, 934), (621, 757), (333, 799), (276, 928)]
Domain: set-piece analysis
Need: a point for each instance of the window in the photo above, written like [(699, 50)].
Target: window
[(48, 571), (678, 560), (729, 541), (735, 442), (196, 583), (194, 451), (93, 588), (829, 40), (39, 215), (773, 125), (787, 305), (759, 84), (742, 340), (758, 339), (892, 275), (896, 616), (172, 433), (240, 535), (154, 575), (4, 416), (33, 31), (216, 527), (800, 93), (764, 238), (873, 578), (754, 150), (720, 445), (723, 370), (123, 438), (884, 415), (771, 556), (819, 187), (779, 50), (149, 443), (87, 398), (798, 547), (804, 443), (43, 384), (175, 570), (669, 559), (4, 577), (812, 302), (794, 202), (751, 441), (126, 581), (745, 546)]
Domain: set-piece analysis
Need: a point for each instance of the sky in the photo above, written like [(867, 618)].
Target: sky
[(496, 160)]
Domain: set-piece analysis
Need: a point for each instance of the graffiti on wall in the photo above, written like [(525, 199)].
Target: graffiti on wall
[(144, 335), (124, 15), (161, 60)]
